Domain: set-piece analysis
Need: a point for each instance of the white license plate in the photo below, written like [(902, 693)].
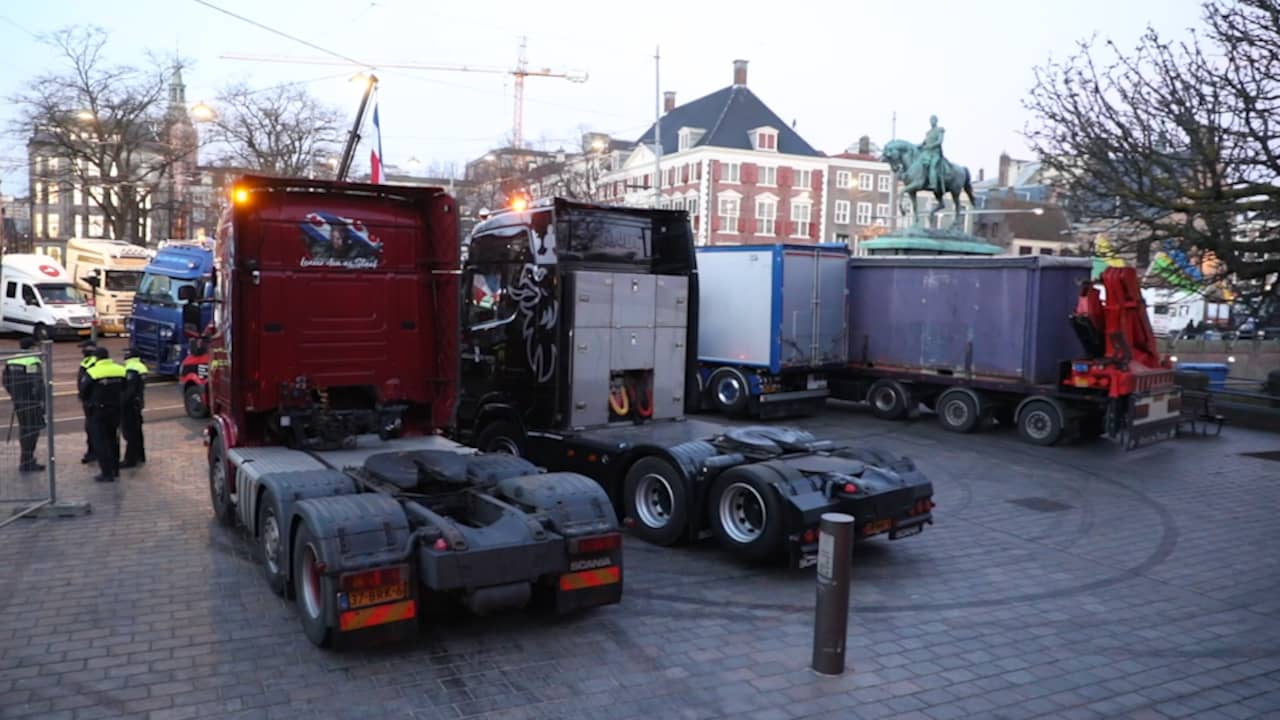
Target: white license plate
[(817, 383), (907, 532)]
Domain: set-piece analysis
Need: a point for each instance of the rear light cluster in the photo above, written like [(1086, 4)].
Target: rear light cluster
[(595, 544), (374, 578), (922, 506), (810, 536), (849, 489)]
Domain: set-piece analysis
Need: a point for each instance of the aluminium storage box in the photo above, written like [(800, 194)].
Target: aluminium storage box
[(779, 307), (1001, 318)]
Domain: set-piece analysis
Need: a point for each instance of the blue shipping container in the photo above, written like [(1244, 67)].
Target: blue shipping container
[(1001, 318), (1217, 373)]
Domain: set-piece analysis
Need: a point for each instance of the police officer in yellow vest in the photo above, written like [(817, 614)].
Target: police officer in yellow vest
[(87, 347), (103, 391), (24, 380), (135, 387)]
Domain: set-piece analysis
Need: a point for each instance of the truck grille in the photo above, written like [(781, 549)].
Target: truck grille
[(125, 308)]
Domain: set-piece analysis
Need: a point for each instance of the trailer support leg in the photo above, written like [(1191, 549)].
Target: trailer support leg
[(831, 616)]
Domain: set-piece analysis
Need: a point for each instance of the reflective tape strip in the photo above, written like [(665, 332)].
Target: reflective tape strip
[(377, 615), (590, 578)]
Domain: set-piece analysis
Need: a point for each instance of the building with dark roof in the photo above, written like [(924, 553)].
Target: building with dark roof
[(743, 174)]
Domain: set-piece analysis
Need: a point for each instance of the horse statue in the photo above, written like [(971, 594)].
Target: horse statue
[(907, 163)]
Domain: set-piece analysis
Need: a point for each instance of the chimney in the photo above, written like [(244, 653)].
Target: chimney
[(668, 101), (739, 72), (982, 174), (864, 145), (1003, 177)]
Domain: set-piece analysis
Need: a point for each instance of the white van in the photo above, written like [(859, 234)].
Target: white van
[(118, 265), (39, 299)]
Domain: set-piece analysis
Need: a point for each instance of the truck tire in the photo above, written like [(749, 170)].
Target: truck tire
[(220, 495), (315, 591), (271, 538), (40, 333), (745, 513), (501, 436), (1040, 422), (655, 500), (193, 402), (959, 410), (728, 392), (889, 400)]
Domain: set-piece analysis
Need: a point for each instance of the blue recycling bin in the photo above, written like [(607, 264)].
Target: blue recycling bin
[(1217, 373)]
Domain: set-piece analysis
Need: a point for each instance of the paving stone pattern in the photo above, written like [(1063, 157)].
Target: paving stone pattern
[(1079, 582)]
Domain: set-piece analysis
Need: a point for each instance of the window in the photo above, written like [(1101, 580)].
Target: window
[(60, 295), (38, 195), (883, 183), (842, 238), (844, 179), (53, 193), (732, 171), (864, 213), (488, 303), (1024, 250), (729, 214), (804, 178), (29, 296), (11, 290), (766, 140), (77, 197), (864, 181), (51, 223), (690, 137), (766, 216), (1046, 251), (692, 205), (800, 219), (768, 175), (95, 226), (842, 212), (79, 225), (882, 214), (39, 225)]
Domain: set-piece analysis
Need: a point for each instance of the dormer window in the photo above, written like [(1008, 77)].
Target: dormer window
[(689, 136), (765, 138)]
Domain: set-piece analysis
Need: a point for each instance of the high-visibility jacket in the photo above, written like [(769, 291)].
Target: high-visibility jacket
[(106, 385)]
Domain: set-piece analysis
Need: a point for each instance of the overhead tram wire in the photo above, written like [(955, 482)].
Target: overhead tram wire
[(282, 33)]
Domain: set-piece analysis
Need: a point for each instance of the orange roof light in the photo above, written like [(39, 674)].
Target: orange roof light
[(240, 196), (519, 203)]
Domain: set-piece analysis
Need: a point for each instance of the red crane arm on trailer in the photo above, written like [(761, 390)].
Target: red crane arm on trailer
[(1127, 357)]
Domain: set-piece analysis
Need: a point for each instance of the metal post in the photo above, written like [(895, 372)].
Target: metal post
[(93, 328), (831, 616), (46, 352)]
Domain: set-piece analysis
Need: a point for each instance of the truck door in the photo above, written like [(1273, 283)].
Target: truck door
[(29, 309), (9, 310)]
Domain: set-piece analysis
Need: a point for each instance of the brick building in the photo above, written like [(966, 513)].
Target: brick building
[(860, 196), (743, 174)]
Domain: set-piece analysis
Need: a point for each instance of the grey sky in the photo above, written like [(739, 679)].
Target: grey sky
[(839, 70)]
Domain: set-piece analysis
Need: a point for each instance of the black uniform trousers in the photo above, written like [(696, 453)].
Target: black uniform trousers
[(131, 427), (89, 455), (104, 428), (30, 423)]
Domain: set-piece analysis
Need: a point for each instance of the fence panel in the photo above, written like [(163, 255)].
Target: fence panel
[(27, 474)]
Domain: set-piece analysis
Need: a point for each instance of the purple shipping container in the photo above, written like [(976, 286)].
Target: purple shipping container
[(1004, 318)]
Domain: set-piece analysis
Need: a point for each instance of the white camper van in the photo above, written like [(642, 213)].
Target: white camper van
[(118, 265), (39, 299)]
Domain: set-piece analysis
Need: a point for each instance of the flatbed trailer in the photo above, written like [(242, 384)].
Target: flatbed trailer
[(333, 371), (579, 352)]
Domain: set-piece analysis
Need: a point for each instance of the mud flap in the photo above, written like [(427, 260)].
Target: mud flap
[(1152, 417)]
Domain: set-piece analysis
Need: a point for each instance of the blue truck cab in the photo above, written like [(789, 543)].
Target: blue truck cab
[(155, 327)]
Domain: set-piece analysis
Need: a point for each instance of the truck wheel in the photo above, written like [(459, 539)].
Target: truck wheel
[(654, 497), (958, 410), (728, 392), (193, 402), (219, 492), (501, 436), (889, 400), (314, 590), (746, 516), (1040, 423), (270, 545)]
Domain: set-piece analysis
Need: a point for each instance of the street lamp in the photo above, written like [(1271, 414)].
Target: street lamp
[(86, 116), (202, 112)]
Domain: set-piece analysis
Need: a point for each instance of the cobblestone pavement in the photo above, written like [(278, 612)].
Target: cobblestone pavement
[(1078, 582)]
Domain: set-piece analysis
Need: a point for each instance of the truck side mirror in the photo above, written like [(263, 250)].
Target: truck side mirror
[(94, 281), (191, 316), (187, 293)]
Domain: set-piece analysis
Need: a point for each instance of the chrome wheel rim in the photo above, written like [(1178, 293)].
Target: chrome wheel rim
[(885, 399), (310, 583), (956, 412), (728, 390), (504, 445), (742, 513), (1038, 424), (271, 542), (654, 501), (219, 478)]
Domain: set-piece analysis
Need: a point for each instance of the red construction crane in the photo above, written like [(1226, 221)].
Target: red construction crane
[(520, 72)]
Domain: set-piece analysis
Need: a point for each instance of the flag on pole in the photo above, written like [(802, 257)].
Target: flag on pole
[(375, 154)]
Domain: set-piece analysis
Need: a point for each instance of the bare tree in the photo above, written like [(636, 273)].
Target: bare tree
[(278, 131), (102, 127), (1176, 144)]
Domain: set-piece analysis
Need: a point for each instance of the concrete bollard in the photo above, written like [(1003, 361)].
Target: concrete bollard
[(831, 616)]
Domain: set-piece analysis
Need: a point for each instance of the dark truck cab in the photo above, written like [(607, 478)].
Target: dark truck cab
[(579, 352)]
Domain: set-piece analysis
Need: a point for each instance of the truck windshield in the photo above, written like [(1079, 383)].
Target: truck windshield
[(123, 280), (60, 295), (160, 289)]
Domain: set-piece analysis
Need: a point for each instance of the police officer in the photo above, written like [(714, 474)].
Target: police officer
[(104, 393), (135, 387), (24, 380), (86, 348)]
